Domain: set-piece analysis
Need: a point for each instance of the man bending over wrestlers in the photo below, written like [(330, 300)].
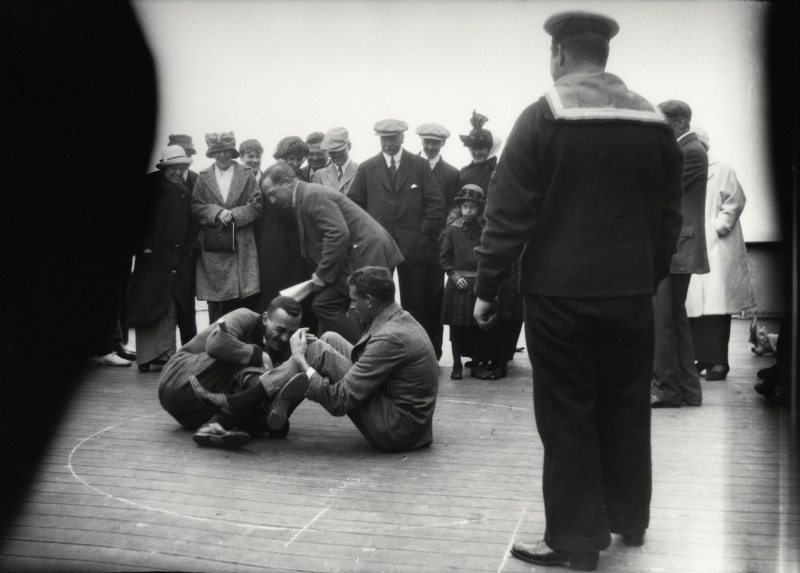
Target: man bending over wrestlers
[(386, 383), (244, 357)]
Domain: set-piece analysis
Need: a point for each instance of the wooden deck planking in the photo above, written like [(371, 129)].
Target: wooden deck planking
[(725, 495)]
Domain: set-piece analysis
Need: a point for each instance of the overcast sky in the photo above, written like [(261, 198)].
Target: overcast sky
[(267, 69)]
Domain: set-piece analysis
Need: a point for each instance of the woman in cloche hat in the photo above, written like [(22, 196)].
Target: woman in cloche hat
[(225, 203)]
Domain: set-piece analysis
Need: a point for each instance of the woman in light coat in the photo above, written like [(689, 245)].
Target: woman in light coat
[(726, 290), (226, 198)]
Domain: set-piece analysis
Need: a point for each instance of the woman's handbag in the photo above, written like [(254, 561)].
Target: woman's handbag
[(219, 238)]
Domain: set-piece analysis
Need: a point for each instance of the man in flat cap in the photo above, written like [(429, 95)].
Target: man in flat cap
[(317, 157), (589, 185), (675, 378), (400, 191), (341, 171), (434, 137)]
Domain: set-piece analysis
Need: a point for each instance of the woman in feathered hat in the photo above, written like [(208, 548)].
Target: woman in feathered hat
[(483, 147)]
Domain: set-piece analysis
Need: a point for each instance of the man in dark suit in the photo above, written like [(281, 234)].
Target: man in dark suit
[(675, 378), (596, 206), (400, 191), (434, 137), (337, 237)]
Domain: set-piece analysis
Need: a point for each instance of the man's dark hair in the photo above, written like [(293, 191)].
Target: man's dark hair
[(587, 46), (278, 172), (314, 138), (287, 303), (374, 281)]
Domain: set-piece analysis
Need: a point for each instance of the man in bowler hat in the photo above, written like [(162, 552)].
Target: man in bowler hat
[(590, 185)]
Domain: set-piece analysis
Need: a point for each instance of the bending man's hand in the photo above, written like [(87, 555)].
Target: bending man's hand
[(319, 284), (485, 313)]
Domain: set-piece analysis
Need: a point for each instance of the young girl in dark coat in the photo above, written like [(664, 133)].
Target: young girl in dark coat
[(456, 243)]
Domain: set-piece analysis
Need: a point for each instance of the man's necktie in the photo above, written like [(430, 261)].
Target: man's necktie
[(340, 172), (393, 168)]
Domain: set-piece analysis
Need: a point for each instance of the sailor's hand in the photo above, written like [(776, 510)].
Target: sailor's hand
[(485, 313)]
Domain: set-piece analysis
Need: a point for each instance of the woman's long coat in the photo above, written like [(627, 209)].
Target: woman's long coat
[(726, 289), (228, 275), (168, 272)]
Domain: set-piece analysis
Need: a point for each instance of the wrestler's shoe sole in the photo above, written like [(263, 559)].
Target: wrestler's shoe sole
[(215, 436), (293, 391)]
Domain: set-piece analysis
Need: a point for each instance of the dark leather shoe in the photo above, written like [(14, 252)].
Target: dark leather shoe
[(700, 366), (214, 435), (718, 372), (457, 373), (146, 366), (633, 539), (214, 400), (123, 351), (293, 391), (656, 402), (540, 554), (764, 372), (497, 373)]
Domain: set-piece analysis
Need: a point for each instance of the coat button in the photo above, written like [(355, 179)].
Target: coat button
[(177, 246), (174, 273), (183, 195)]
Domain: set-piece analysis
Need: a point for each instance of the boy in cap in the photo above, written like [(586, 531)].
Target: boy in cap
[(588, 189), (341, 171), (399, 190)]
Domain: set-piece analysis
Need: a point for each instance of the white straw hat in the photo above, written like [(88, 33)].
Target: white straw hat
[(173, 155)]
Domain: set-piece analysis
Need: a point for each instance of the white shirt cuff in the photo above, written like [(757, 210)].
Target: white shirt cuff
[(309, 372)]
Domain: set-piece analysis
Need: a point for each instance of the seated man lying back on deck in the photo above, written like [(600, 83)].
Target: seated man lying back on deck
[(386, 383), (247, 357)]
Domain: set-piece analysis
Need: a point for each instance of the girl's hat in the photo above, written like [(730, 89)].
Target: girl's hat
[(470, 192)]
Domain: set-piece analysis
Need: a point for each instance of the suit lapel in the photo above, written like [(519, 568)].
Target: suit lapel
[(298, 211), (237, 184), (383, 173), (347, 175), (405, 169), (211, 182)]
